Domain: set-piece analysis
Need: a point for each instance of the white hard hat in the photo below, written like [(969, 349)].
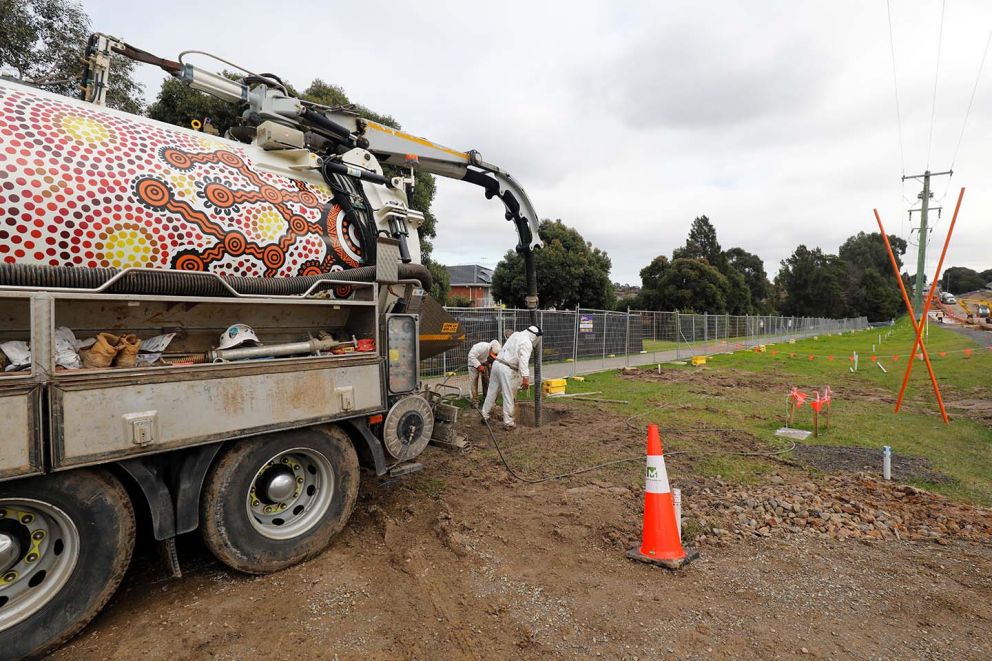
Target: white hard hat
[(237, 335), (494, 347), (535, 330)]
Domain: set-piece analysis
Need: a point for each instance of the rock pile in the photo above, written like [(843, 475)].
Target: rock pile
[(836, 507)]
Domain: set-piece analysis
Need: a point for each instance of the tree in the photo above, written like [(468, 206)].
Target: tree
[(570, 272), (961, 280), (752, 269), (871, 290), (42, 42), (441, 281), (178, 104), (986, 275), (692, 285), (701, 244), (813, 284)]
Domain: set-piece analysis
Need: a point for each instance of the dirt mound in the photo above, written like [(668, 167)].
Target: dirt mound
[(837, 507), (830, 458), (720, 378), (975, 409)]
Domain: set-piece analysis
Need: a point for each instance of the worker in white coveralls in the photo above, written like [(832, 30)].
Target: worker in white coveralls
[(510, 373), (480, 359)]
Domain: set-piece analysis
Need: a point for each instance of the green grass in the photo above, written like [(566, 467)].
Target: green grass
[(862, 410)]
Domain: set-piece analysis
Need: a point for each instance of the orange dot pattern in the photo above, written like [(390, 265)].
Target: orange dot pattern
[(90, 187)]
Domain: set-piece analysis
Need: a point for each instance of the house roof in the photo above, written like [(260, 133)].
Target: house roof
[(470, 274)]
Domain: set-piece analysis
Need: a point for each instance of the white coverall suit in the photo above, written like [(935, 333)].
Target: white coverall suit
[(478, 356), (508, 372)]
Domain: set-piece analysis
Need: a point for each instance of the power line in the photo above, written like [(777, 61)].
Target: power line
[(895, 88), (971, 101), (967, 114), (936, 76)]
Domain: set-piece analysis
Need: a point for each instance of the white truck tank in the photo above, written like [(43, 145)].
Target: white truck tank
[(87, 186)]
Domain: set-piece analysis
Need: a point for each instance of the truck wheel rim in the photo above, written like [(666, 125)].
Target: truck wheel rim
[(290, 493), (47, 544)]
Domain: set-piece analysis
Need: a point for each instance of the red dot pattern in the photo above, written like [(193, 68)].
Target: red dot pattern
[(68, 178)]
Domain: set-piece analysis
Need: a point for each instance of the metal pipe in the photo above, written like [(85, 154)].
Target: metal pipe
[(311, 346)]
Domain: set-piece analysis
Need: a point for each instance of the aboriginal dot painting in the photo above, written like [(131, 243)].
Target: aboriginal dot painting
[(81, 186)]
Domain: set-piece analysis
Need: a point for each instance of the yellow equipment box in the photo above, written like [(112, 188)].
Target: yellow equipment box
[(554, 386), (699, 360)]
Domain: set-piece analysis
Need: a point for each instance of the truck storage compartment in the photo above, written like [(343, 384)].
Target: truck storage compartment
[(98, 420), (194, 394), (187, 330), (19, 392)]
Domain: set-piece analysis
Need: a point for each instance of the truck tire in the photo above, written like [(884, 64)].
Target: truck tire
[(65, 542), (273, 501)]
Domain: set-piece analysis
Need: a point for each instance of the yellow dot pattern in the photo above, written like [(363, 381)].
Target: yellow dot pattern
[(128, 247), (183, 185), (269, 225), (212, 144), (84, 129)]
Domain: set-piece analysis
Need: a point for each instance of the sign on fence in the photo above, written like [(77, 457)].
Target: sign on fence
[(585, 323)]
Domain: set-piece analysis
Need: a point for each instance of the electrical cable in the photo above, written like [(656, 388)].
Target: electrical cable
[(936, 76), (967, 114), (971, 101), (640, 457), (895, 88)]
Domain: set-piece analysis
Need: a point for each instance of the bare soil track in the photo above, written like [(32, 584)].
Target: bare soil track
[(461, 561)]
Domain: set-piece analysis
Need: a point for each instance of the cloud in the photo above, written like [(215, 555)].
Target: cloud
[(735, 72)]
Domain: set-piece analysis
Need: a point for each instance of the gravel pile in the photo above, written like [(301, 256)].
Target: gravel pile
[(835, 507)]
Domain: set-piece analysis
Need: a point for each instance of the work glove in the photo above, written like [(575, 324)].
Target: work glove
[(127, 355), (481, 368), (103, 351), (525, 385)]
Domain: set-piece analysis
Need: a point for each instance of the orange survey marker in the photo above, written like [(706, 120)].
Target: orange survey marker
[(819, 403), (660, 539)]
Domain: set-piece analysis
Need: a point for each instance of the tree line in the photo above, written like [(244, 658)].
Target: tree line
[(700, 276)]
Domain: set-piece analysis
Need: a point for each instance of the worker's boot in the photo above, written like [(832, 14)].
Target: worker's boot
[(128, 354), (103, 351)]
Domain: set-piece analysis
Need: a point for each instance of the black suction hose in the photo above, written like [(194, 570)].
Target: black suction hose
[(185, 283)]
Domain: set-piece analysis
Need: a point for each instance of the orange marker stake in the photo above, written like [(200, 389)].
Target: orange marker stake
[(917, 327), (926, 306)]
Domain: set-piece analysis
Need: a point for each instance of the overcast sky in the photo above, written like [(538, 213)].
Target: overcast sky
[(626, 120)]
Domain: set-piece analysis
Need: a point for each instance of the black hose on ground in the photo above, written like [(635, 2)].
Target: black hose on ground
[(185, 283), (638, 457)]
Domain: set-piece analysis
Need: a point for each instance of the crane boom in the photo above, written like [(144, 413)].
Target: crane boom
[(268, 100)]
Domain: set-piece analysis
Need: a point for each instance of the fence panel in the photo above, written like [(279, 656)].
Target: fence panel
[(593, 339)]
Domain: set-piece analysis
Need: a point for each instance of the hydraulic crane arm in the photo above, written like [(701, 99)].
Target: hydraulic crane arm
[(268, 99), (395, 147)]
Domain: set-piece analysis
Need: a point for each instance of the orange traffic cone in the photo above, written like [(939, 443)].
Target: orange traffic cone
[(661, 545)]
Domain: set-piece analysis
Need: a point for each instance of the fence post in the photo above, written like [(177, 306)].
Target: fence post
[(606, 321), (575, 344), (678, 331), (626, 348)]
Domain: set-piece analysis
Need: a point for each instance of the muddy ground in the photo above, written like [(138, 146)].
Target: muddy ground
[(462, 561)]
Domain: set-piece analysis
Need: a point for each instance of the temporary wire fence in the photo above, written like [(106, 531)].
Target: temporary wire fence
[(581, 340)]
